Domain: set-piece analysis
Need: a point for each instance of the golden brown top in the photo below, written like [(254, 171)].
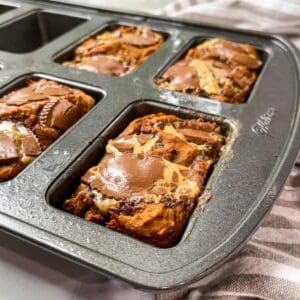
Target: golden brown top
[(150, 177), (32, 117), (45, 103), (117, 52), (158, 157), (219, 69)]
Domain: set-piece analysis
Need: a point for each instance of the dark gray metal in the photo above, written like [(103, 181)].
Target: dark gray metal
[(263, 141)]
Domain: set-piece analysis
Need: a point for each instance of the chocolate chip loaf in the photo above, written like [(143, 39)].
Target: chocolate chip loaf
[(150, 177), (33, 117), (219, 69), (117, 52)]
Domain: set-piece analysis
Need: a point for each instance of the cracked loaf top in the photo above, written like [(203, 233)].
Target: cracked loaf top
[(219, 69), (150, 177), (33, 117), (116, 52)]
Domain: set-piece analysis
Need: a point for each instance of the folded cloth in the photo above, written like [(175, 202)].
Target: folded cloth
[(276, 16), (268, 267)]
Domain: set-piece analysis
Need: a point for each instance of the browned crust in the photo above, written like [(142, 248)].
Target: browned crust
[(158, 223), (29, 114), (219, 69), (114, 48)]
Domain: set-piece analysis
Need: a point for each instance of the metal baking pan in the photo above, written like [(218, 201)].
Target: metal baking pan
[(263, 140)]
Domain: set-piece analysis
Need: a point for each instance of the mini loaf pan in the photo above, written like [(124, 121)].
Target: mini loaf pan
[(263, 139)]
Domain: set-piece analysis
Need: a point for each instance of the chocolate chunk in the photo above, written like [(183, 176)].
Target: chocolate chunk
[(57, 90), (30, 94), (8, 149), (102, 64), (31, 146), (123, 146), (200, 137), (64, 115), (29, 142), (144, 40), (128, 173), (143, 138), (23, 96), (235, 54), (182, 77), (60, 114)]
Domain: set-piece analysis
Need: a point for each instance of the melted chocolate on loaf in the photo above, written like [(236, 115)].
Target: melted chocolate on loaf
[(150, 178), (117, 52), (34, 116), (218, 69)]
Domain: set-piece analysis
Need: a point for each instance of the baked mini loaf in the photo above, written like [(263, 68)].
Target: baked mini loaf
[(219, 69), (116, 52), (33, 117), (150, 177)]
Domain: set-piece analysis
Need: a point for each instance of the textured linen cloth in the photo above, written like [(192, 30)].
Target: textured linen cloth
[(268, 267), (275, 16)]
